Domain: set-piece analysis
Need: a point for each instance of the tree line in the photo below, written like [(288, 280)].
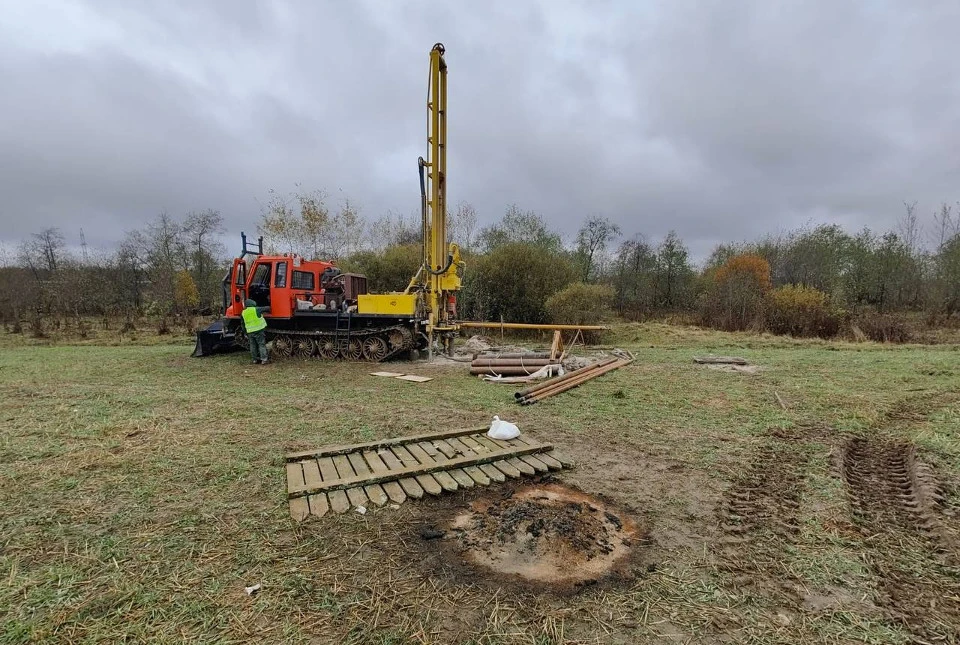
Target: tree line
[(518, 269)]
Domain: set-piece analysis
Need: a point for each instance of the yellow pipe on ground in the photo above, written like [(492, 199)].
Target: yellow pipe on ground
[(500, 325)]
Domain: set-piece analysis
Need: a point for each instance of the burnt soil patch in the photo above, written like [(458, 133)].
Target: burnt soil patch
[(543, 536)]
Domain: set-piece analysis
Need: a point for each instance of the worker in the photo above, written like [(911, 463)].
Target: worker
[(256, 327)]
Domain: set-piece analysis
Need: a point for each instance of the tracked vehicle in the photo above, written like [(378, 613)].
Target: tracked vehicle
[(318, 311)]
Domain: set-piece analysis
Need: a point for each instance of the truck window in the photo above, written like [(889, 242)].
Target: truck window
[(280, 280), (241, 275), (303, 280), (261, 276)]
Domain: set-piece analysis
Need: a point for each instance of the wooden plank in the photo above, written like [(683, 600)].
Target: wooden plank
[(551, 463), (538, 465), (425, 479), (359, 465), (492, 473), (403, 456), (408, 485), (506, 469), (446, 449), (294, 476), (344, 469), (460, 447), (338, 501), (424, 470), (329, 451), (477, 475), (471, 443), (431, 450), (408, 459), (328, 472), (374, 461), (495, 445), (299, 508), (376, 494), (462, 478), (390, 460), (446, 481), (555, 345), (414, 378), (422, 453), (318, 504), (388, 374), (429, 484), (357, 497), (720, 360), (488, 443), (522, 466), (311, 472), (395, 492), (500, 443)]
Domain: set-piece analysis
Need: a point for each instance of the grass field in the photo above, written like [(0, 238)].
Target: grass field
[(141, 491)]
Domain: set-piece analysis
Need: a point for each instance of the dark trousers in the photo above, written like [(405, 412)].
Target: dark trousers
[(258, 345)]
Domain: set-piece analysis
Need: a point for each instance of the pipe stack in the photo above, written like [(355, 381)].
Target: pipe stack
[(511, 364), (568, 381)]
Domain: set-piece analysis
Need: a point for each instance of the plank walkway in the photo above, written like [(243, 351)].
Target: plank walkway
[(335, 479)]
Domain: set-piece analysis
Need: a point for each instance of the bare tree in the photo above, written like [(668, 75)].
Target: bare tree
[(909, 228), (945, 225), (592, 240), (206, 251), (345, 233), (463, 225)]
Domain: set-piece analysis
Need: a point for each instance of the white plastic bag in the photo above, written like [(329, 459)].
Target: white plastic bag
[(503, 430)]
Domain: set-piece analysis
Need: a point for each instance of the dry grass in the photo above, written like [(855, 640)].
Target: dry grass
[(141, 490)]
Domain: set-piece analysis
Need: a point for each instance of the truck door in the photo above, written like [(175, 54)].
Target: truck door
[(259, 289)]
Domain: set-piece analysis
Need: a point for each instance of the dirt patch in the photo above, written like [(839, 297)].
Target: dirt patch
[(910, 539), (545, 535)]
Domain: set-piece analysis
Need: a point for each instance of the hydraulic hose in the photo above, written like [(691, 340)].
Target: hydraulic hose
[(423, 215)]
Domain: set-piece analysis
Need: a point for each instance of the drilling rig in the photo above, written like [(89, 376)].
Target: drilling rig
[(316, 310)]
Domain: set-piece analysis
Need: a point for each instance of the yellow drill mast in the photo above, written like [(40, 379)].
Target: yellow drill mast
[(438, 278)]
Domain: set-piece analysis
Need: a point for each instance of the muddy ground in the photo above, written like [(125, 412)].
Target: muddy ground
[(625, 513)]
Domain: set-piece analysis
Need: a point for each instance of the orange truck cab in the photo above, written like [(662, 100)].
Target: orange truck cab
[(315, 309)]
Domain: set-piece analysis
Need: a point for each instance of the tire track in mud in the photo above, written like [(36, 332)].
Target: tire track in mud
[(909, 541), (760, 515)]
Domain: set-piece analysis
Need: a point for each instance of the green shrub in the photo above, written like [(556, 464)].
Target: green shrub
[(801, 311), (884, 328), (513, 282), (580, 304), (387, 270)]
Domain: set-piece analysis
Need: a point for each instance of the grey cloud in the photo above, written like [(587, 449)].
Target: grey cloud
[(723, 120)]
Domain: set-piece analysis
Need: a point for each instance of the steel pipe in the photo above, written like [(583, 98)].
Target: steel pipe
[(566, 377), (512, 362), (497, 325), (572, 383)]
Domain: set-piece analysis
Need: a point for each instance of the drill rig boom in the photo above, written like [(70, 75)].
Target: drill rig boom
[(438, 278)]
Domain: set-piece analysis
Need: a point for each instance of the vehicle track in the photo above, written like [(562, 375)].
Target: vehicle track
[(759, 516), (909, 539)]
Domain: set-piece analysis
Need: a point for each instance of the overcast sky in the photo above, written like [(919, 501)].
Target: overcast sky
[(722, 120)]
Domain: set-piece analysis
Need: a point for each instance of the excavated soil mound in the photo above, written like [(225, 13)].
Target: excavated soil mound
[(545, 534)]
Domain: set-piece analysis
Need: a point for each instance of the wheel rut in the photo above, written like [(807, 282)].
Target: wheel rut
[(760, 517), (909, 536)]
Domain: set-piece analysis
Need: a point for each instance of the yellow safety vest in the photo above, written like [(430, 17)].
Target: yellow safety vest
[(253, 321)]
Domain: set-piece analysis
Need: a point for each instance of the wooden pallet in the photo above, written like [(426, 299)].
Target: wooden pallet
[(338, 478)]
